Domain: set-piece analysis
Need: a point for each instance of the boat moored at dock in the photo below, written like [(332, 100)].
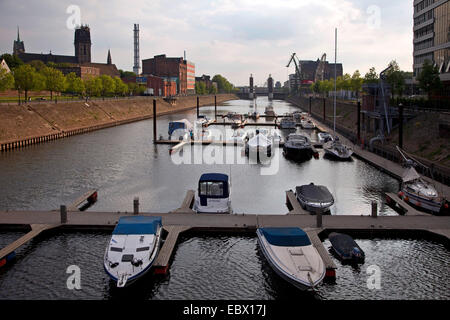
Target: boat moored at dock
[(133, 248), (213, 194), (314, 198), (298, 147), (337, 150), (346, 248), (291, 255)]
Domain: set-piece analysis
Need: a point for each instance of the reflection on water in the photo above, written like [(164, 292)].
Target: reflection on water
[(222, 267), (122, 163)]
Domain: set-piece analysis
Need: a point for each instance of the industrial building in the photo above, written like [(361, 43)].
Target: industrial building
[(171, 68), (155, 86)]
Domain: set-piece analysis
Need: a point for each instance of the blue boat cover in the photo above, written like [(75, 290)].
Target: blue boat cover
[(286, 237), (214, 177), (137, 225)]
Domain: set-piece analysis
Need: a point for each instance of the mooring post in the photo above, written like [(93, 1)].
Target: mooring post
[(400, 126), (198, 108), (154, 120), (136, 205), (310, 101), (63, 213), (324, 116), (319, 218), (358, 122), (215, 108), (374, 209)]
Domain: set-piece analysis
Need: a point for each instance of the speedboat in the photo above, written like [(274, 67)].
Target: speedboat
[(180, 127), (337, 150), (292, 256), (258, 144), (346, 248), (307, 124), (421, 193), (133, 248), (324, 137), (298, 147), (314, 198), (213, 194), (287, 122)]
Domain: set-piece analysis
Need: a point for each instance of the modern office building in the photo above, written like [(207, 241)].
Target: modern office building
[(432, 36)]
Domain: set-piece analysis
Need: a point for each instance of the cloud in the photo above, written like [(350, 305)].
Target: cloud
[(230, 37)]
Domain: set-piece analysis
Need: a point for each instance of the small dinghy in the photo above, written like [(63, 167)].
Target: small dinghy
[(346, 248), (292, 256), (133, 248), (314, 198)]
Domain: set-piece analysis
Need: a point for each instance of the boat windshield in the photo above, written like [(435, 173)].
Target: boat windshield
[(212, 188)]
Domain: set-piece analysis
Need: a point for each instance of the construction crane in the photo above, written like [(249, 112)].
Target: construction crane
[(320, 68), (297, 69)]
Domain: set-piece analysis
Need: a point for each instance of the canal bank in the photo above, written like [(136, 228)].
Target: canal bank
[(40, 122)]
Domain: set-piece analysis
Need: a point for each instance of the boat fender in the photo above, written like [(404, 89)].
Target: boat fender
[(2, 262), (400, 194), (406, 198), (446, 206), (418, 204)]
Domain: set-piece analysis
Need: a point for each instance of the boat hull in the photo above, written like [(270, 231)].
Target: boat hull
[(297, 154), (422, 203)]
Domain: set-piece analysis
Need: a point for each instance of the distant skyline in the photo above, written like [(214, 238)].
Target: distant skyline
[(227, 37)]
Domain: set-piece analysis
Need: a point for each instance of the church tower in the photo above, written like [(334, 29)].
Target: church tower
[(83, 44), (109, 60), (18, 46)]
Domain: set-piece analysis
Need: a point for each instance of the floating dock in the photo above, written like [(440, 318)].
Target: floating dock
[(90, 196), (161, 265)]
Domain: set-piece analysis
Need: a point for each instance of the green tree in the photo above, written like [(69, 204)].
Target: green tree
[(124, 74), (74, 84), (54, 80), (6, 80), (38, 65), (120, 88), (223, 85), (93, 86), (371, 76), (428, 78), (11, 60), (395, 79), (26, 79), (356, 82), (200, 87), (212, 90), (108, 85)]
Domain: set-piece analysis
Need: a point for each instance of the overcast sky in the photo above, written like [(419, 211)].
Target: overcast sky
[(229, 37)]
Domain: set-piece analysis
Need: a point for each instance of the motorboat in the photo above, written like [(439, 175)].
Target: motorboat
[(314, 198), (297, 116), (287, 122), (239, 136), (337, 150), (199, 132), (258, 144), (298, 147), (274, 135), (291, 255), (254, 115), (324, 137), (346, 248), (132, 249), (307, 124), (181, 128), (421, 193), (213, 194)]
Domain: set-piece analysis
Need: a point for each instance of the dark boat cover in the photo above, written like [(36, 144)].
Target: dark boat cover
[(343, 244), (311, 192), (286, 237), (137, 225)]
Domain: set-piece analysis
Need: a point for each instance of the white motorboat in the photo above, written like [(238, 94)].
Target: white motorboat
[(314, 198), (324, 137), (213, 194), (337, 150), (239, 136), (199, 132), (287, 122), (292, 256), (259, 144), (133, 248), (307, 124)]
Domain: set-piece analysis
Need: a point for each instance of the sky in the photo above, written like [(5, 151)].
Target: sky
[(234, 38)]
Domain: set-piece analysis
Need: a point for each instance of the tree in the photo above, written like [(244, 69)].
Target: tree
[(120, 88), (200, 87), (223, 85), (54, 80), (371, 76), (93, 86), (74, 84), (428, 78), (12, 61), (26, 79), (395, 78), (356, 82), (212, 90), (38, 65), (6, 80), (124, 74), (108, 85)]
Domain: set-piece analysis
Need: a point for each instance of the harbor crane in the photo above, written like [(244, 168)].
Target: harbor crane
[(297, 70), (320, 68)]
